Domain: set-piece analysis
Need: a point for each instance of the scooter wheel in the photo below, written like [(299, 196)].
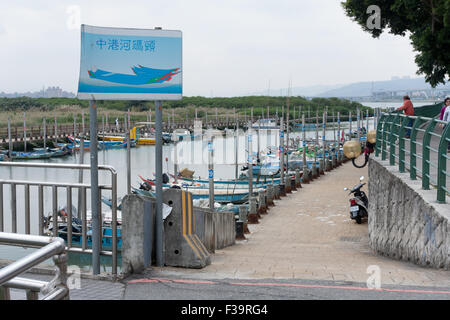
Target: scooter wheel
[(358, 219)]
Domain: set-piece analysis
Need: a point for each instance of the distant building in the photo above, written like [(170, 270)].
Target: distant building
[(50, 92)]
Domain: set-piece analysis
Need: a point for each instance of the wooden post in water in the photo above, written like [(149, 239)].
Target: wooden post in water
[(250, 160), (358, 124), (74, 126), (282, 190), (324, 141), (305, 164), (367, 121), (10, 148), (24, 132), (45, 132), (316, 142), (211, 171), (350, 124), (236, 151), (82, 122), (56, 130)]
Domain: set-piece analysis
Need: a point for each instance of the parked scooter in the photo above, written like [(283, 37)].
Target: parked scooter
[(359, 203)]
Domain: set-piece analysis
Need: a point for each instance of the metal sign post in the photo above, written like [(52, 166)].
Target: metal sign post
[(96, 215), (158, 176), (155, 57)]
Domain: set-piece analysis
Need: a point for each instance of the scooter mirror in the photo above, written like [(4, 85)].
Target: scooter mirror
[(362, 178)]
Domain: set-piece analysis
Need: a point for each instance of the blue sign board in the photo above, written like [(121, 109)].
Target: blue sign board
[(130, 64)]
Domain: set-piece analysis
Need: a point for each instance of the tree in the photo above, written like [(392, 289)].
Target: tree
[(426, 21)]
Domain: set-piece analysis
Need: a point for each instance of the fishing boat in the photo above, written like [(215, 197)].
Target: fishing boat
[(30, 155), (134, 135), (77, 227), (265, 124), (102, 145), (220, 195), (62, 151), (142, 140)]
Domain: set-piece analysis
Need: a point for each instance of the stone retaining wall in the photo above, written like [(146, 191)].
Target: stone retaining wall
[(406, 222)]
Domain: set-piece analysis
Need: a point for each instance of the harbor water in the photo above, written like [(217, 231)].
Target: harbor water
[(190, 154)]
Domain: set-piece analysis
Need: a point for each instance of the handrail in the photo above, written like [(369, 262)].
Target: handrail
[(50, 247), (81, 187), (393, 127)]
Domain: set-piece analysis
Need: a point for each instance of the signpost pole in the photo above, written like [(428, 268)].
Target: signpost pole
[(158, 170), (96, 217)]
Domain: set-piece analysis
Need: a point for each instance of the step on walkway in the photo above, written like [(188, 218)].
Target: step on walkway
[(309, 235)]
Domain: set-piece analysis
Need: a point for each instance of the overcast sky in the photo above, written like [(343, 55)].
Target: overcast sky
[(230, 47)]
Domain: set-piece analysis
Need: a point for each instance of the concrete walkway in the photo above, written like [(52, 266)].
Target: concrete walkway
[(309, 235)]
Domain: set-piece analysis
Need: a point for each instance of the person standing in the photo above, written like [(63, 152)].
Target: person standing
[(408, 110), (446, 116), (443, 108)]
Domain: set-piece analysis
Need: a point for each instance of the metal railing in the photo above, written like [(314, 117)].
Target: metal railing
[(110, 248), (427, 141), (56, 289)]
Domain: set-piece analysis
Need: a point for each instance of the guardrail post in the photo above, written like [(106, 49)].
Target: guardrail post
[(442, 164), (392, 138), (383, 144), (401, 144), (426, 155), (378, 146), (412, 149)]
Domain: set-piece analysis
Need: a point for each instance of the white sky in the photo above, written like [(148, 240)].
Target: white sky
[(230, 47)]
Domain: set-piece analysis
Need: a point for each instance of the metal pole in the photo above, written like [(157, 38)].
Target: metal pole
[(96, 215), (324, 142), (103, 129), (250, 160), (211, 172), (175, 157), (158, 170), (339, 127), (80, 176), (281, 155), (316, 146), (305, 164), (128, 158)]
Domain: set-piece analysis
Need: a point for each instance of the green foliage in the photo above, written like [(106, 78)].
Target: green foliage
[(427, 22), (242, 105)]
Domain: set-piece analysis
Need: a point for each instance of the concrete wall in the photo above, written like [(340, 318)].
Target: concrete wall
[(406, 222), (216, 230)]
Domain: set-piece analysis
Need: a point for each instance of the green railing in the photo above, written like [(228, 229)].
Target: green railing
[(392, 141)]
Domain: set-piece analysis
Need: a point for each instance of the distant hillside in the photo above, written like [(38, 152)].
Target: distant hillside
[(364, 89)]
